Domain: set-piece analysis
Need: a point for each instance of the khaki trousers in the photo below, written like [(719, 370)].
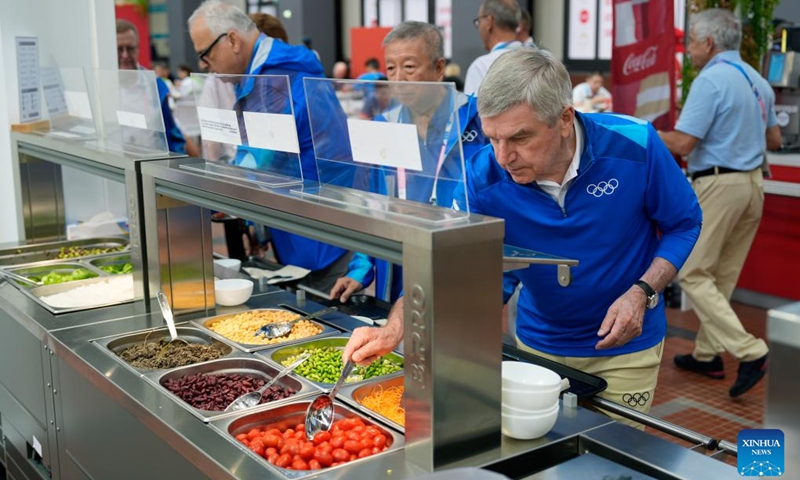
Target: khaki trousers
[(732, 205), (631, 378)]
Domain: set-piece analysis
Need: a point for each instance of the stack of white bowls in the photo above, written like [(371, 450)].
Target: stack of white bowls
[(530, 400)]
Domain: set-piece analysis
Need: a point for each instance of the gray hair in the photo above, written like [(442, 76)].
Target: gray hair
[(222, 17), (505, 13), (720, 25), (410, 30), (528, 76)]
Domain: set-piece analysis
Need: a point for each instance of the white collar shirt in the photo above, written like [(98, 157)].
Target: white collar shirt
[(559, 190)]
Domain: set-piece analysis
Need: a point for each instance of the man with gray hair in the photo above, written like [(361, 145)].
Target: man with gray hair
[(726, 124), (497, 23), (598, 188), (414, 52), (227, 42)]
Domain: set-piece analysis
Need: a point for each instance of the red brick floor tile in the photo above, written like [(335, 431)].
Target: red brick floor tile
[(676, 385)]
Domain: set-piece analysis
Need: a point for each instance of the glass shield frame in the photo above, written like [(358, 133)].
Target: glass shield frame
[(130, 120), (248, 128), (403, 143), (69, 105)]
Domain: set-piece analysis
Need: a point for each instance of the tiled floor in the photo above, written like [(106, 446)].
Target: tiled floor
[(699, 403)]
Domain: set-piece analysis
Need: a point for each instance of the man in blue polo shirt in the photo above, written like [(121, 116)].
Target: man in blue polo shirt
[(228, 42), (414, 52), (727, 122), (599, 188)]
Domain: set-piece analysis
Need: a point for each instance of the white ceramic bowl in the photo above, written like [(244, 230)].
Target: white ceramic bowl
[(528, 400), (528, 427), (233, 291), (528, 377), (227, 267), (523, 412)]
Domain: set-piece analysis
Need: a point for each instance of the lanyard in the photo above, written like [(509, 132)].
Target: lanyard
[(401, 172), (759, 98)]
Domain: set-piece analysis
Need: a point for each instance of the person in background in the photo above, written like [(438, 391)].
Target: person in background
[(727, 123), (497, 23), (373, 66), (161, 70), (128, 59), (307, 43), (599, 188), (414, 52), (270, 26), (184, 88), (452, 73), (590, 96), (228, 42), (341, 70), (524, 34), (379, 102), (373, 73)]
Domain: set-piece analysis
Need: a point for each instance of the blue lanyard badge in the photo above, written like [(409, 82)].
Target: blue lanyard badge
[(761, 104)]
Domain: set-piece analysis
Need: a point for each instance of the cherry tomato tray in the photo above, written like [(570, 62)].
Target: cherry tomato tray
[(293, 413)]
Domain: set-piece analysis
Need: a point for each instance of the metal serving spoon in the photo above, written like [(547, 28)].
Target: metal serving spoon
[(166, 312), (275, 330), (319, 416), (252, 399)]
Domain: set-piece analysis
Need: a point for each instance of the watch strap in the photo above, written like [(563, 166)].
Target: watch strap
[(648, 290)]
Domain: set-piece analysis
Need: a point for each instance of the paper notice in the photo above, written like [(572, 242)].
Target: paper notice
[(385, 144), (218, 125), (271, 131), (53, 89), (131, 119), (30, 108), (78, 104), (37, 446)]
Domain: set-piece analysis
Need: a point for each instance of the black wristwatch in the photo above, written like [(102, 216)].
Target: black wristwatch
[(652, 295)]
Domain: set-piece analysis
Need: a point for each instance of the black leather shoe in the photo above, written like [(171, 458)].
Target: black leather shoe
[(713, 369), (749, 374)]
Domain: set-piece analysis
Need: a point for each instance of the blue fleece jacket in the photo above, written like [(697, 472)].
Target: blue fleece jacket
[(629, 203), (274, 57), (364, 268), (175, 141)]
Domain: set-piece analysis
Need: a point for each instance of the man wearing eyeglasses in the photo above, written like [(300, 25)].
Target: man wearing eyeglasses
[(128, 59), (497, 23), (227, 42)]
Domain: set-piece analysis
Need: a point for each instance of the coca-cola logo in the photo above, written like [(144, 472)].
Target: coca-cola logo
[(636, 63)]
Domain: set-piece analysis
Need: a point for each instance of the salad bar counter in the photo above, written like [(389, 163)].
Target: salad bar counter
[(98, 388)]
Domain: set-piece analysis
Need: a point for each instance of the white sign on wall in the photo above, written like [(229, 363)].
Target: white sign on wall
[(606, 39), (30, 97), (444, 20), (582, 30)]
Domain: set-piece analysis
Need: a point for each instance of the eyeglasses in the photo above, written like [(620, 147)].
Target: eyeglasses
[(202, 55), (478, 19), (127, 49)]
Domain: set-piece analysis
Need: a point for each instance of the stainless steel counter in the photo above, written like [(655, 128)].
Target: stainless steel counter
[(103, 387)]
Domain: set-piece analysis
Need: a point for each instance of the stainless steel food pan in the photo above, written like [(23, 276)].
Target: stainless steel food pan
[(116, 344), (205, 324), (278, 355), (353, 394), (291, 414), (244, 366)]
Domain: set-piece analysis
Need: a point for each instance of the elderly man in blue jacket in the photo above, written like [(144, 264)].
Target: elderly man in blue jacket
[(228, 42), (600, 188), (414, 52)]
